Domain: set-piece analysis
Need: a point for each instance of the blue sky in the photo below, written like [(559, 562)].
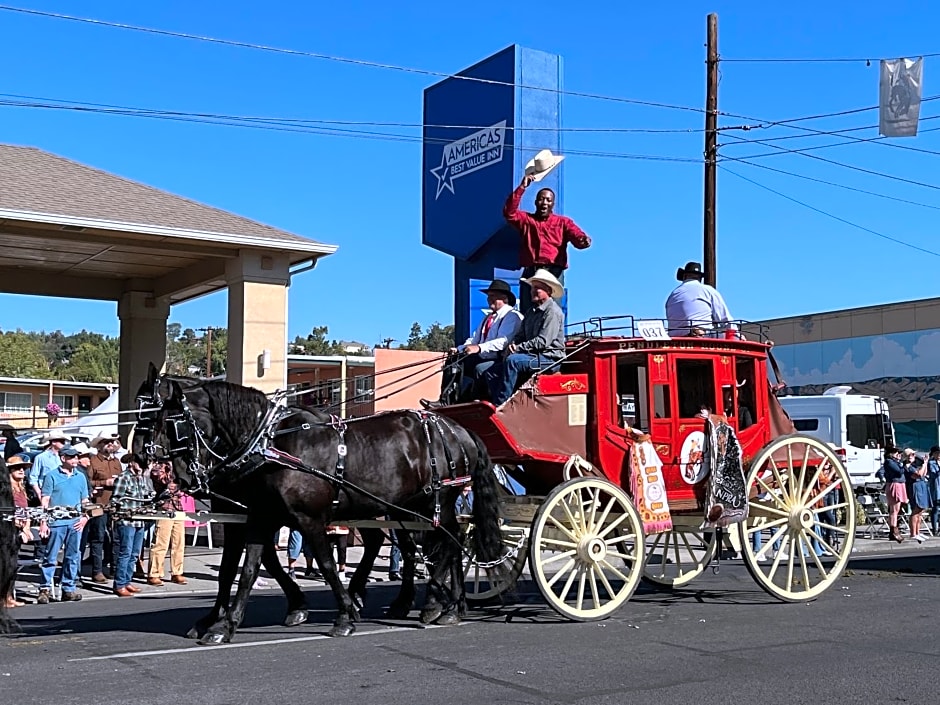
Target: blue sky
[(775, 257)]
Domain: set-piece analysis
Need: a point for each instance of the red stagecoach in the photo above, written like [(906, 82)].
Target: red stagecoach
[(594, 520)]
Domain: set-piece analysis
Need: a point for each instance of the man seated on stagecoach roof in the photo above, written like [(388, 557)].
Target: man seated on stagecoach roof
[(540, 343), (545, 235), (694, 308)]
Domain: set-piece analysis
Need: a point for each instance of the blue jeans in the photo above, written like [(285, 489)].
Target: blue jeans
[(394, 555), (503, 376), (69, 539), (474, 367), (132, 541), (295, 542)]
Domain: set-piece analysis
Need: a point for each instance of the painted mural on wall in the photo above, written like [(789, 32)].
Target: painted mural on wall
[(904, 368)]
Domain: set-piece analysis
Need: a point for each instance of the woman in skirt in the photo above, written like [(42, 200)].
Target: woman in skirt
[(895, 489)]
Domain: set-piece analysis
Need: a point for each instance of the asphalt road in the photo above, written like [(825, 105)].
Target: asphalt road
[(871, 639)]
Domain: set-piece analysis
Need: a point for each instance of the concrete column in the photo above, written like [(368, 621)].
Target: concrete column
[(257, 320), (143, 340)]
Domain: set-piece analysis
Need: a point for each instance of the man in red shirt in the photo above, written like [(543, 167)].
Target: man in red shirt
[(545, 236)]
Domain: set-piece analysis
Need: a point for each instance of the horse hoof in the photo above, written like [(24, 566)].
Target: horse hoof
[(448, 620), (294, 618), (398, 611), (342, 630), (431, 614), (214, 638), (194, 633)]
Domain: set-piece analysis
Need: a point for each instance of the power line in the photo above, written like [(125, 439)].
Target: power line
[(804, 153), (831, 183), (341, 59), (830, 215), (835, 60), (43, 102), (854, 140), (258, 124)]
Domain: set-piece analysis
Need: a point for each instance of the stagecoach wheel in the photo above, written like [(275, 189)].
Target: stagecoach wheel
[(674, 558), (801, 501), (481, 585), (586, 548)]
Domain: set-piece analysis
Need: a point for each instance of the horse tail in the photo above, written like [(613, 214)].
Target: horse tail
[(487, 536)]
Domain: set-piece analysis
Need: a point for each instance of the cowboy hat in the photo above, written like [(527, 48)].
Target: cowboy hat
[(691, 269), (543, 276), (104, 438), (541, 164), (54, 436), (499, 287), (84, 449), (18, 461)]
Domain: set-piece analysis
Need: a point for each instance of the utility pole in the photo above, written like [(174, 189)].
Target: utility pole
[(208, 331), (711, 147)]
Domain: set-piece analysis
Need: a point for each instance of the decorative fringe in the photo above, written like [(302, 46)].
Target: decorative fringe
[(648, 488)]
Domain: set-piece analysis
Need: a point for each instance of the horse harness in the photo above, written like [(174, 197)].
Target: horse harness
[(185, 438)]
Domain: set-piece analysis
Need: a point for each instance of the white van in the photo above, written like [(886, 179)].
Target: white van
[(858, 425)]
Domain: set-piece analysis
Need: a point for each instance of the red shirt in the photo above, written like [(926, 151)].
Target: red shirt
[(543, 241)]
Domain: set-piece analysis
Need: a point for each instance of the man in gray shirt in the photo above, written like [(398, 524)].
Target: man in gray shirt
[(540, 343)]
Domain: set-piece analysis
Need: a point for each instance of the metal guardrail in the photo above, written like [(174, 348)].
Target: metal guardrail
[(627, 326)]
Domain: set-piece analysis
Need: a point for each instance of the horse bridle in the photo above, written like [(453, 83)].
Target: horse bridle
[(181, 431), (188, 442)]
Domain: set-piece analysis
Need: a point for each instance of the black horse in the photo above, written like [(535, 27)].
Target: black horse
[(297, 470), (8, 546)]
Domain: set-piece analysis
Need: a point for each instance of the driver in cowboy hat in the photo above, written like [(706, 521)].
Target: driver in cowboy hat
[(540, 343), (694, 308), (481, 350), (545, 235)]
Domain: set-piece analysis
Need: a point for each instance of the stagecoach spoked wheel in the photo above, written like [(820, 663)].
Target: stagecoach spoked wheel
[(586, 548), (802, 507), (674, 558), (481, 585)]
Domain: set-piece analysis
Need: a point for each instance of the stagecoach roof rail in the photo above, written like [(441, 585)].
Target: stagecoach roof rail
[(626, 326)]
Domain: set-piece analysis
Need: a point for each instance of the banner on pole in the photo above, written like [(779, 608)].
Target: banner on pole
[(899, 96)]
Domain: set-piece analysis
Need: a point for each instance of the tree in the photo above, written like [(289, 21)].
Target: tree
[(317, 343), (92, 362), (21, 355), (437, 338)]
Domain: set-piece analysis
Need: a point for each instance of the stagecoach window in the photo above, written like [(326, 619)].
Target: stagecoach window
[(747, 386), (696, 386), (661, 407), (633, 394)]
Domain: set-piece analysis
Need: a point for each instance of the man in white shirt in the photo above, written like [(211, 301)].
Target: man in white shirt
[(481, 350), (695, 308)]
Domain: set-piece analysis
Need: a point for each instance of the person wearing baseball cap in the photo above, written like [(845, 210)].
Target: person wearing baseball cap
[(63, 487)]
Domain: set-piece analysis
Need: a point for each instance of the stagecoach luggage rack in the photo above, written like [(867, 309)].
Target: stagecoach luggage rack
[(629, 327)]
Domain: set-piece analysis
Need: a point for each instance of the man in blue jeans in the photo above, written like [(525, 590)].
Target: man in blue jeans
[(132, 489), (63, 487), (541, 343)]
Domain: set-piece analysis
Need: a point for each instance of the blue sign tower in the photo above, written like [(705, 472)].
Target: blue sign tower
[(481, 126)]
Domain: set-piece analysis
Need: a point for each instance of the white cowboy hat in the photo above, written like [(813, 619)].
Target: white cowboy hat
[(543, 276), (539, 166), (54, 436), (84, 449)]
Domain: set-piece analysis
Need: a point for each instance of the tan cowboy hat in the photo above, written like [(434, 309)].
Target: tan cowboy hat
[(104, 438), (18, 461), (539, 166), (543, 276)]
